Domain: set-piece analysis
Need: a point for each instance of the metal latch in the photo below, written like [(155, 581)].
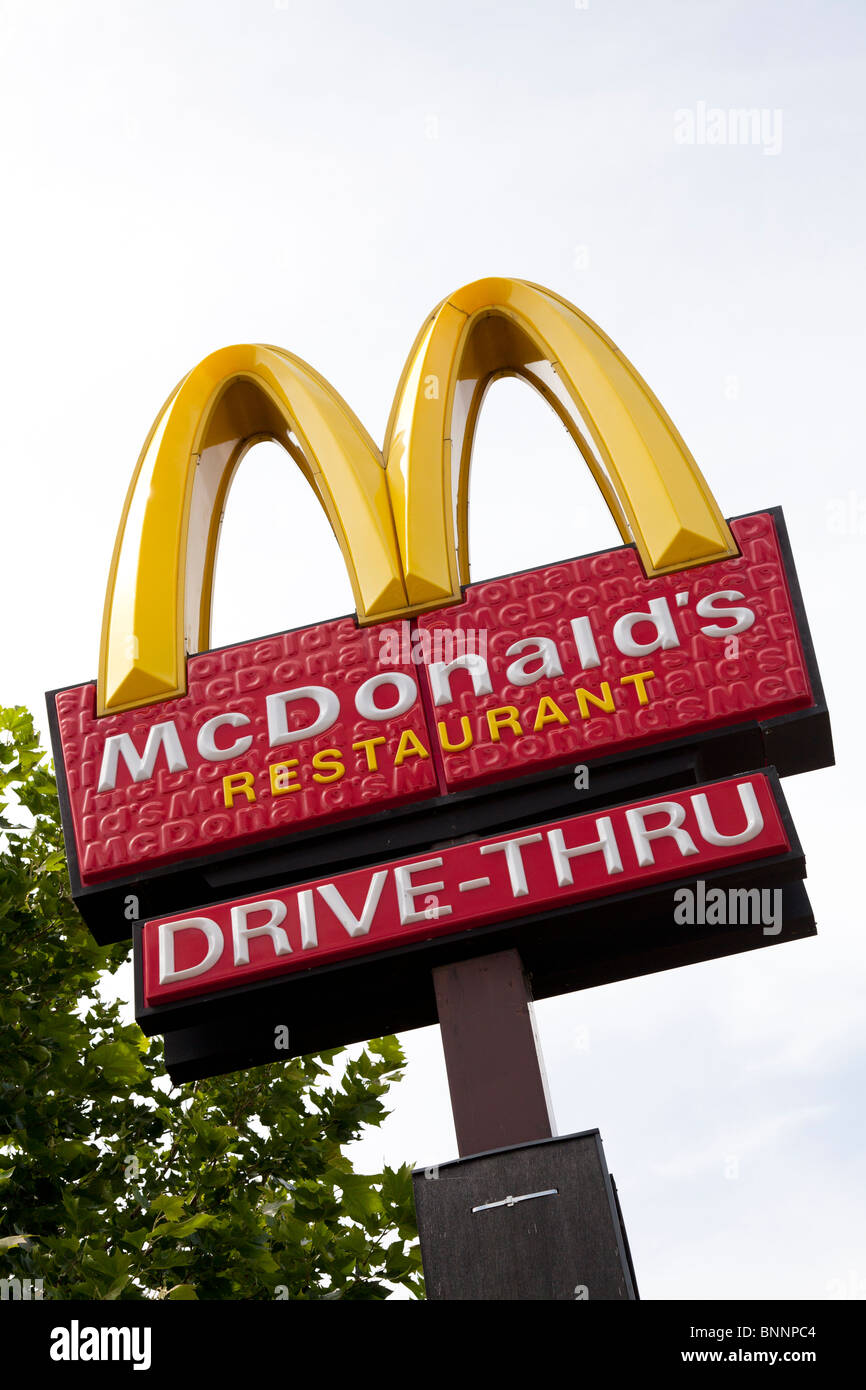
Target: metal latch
[(512, 1201)]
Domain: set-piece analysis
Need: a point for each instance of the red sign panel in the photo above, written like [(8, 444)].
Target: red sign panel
[(589, 657), (291, 731), (556, 665), (434, 894)]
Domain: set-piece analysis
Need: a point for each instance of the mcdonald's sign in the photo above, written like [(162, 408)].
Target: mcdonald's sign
[(442, 708)]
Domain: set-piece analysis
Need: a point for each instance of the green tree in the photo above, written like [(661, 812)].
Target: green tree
[(114, 1183)]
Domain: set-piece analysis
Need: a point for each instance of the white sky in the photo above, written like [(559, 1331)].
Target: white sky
[(176, 177)]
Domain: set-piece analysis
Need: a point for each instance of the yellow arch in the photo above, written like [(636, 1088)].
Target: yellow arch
[(158, 602), (401, 519), (502, 327)]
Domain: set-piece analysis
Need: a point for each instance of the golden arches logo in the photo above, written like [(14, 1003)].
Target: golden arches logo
[(400, 515)]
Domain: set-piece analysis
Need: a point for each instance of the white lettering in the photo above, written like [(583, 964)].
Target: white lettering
[(440, 676), (407, 694), (562, 856), (544, 650), (514, 860), (706, 608), (706, 824), (407, 891), (355, 926), (660, 616), (278, 730), (241, 933), (206, 743), (587, 651), (307, 915), (117, 746), (641, 837), (168, 975)]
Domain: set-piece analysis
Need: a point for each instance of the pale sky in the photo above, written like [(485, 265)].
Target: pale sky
[(177, 177)]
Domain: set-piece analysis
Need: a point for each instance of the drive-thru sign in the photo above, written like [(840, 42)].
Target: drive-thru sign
[(300, 827)]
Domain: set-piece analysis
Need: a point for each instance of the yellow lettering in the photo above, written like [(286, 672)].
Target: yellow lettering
[(280, 778), (237, 783), (504, 718), (329, 762), (638, 681), (585, 697), (465, 730), (410, 746), (548, 713), (369, 747)]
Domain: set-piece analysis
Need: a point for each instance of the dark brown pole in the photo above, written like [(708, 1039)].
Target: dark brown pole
[(495, 1070)]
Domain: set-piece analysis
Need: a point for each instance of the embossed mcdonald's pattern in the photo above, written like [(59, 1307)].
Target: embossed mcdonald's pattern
[(284, 733), (589, 657), (187, 774)]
